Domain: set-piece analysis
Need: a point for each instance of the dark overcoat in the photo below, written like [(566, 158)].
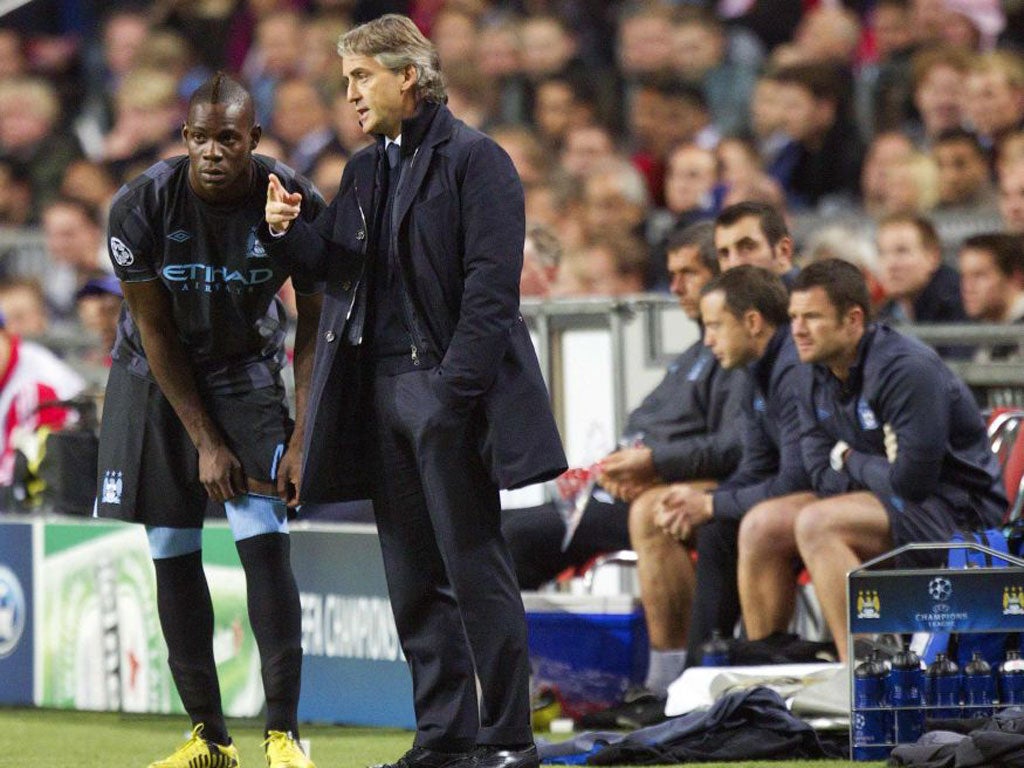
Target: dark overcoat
[(458, 229)]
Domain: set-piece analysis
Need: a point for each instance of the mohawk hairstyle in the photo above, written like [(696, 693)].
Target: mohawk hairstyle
[(221, 88)]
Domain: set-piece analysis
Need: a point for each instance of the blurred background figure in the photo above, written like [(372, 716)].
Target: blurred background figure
[(98, 306)]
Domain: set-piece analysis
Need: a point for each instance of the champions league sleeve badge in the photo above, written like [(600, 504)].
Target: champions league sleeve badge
[(122, 253)]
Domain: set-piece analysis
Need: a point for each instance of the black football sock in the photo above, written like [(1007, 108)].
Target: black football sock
[(276, 620), (186, 617)]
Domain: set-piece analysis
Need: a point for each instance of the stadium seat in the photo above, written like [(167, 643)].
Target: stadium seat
[(1006, 439)]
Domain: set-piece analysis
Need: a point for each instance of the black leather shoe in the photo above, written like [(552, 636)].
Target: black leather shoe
[(499, 757), (420, 757)]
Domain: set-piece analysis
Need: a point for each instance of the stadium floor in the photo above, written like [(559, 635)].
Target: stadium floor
[(58, 739)]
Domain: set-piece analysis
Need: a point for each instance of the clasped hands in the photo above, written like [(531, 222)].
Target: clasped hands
[(682, 509), (628, 472)]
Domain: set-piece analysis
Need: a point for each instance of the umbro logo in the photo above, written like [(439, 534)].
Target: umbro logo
[(179, 236)]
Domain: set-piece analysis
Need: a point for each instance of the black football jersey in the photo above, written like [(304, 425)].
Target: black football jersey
[(223, 286)]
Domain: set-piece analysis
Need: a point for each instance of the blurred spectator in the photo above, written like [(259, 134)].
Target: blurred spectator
[(644, 39), (15, 196), (921, 289), (320, 61), (1011, 196), (98, 305), (276, 54), (938, 78), (884, 86), (528, 154), (824, 157), (302, 122), (911, 186), (148, 114), (586, 146), (471, 95), (542, 254), (30, 137), (12, 56), (453, 33), (560, 104), (327, 172), (23, 305), (663, 114), (547, 47), (169, 52), (74, 238), (614, 265), (963, 171), (615, 200), (91, 182), (1009, 149), (123, 34), (31, 377), (499, 58), (738, 162), (885, 153), (699, 56), (768, 119), (827, 34), (973, 25), (555, 203), (836, 241), (929, 20), (689, 198), (994, 96)]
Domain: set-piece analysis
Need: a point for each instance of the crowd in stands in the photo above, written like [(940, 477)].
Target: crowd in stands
[(627, 121), (886, 133)]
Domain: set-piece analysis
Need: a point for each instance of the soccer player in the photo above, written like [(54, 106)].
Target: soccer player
[(196, 411)]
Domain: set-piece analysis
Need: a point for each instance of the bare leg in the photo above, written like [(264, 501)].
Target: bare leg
[(665, 572), (767, 549), (834, 536)]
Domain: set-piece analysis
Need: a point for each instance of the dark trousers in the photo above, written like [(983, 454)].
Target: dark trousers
[(716, 603), (450, 577), (535, 537)]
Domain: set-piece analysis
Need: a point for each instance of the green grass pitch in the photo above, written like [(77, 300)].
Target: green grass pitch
[(57, 739)]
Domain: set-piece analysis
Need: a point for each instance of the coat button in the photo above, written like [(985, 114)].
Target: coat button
[(329, 336), (345, 286), (361, 234)]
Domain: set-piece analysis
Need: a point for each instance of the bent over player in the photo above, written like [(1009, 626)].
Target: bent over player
[(196, 410)]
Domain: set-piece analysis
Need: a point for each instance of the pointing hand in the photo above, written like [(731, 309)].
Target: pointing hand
[(282, 206)]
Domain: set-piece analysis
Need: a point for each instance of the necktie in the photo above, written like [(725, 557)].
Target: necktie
[(394, 153)]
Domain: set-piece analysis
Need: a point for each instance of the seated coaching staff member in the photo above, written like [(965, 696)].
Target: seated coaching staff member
[(426, 391), (893, 442), (196, 409)]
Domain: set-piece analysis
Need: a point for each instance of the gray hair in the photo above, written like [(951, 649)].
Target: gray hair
[(395, 42)]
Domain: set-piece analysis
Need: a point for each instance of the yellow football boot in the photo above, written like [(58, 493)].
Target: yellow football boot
[(283, 751), (197, 752)]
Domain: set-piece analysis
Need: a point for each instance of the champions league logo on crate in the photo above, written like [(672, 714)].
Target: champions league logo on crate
[(12, 611), (941, 591), (868, 604)]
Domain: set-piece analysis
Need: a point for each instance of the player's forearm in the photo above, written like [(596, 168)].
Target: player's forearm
[(305, 346)]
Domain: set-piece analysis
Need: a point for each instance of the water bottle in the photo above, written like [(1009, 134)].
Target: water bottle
[(942, 687), (715, 652), (906, 680), (1011, 679), (979, 687), (872, 725)]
